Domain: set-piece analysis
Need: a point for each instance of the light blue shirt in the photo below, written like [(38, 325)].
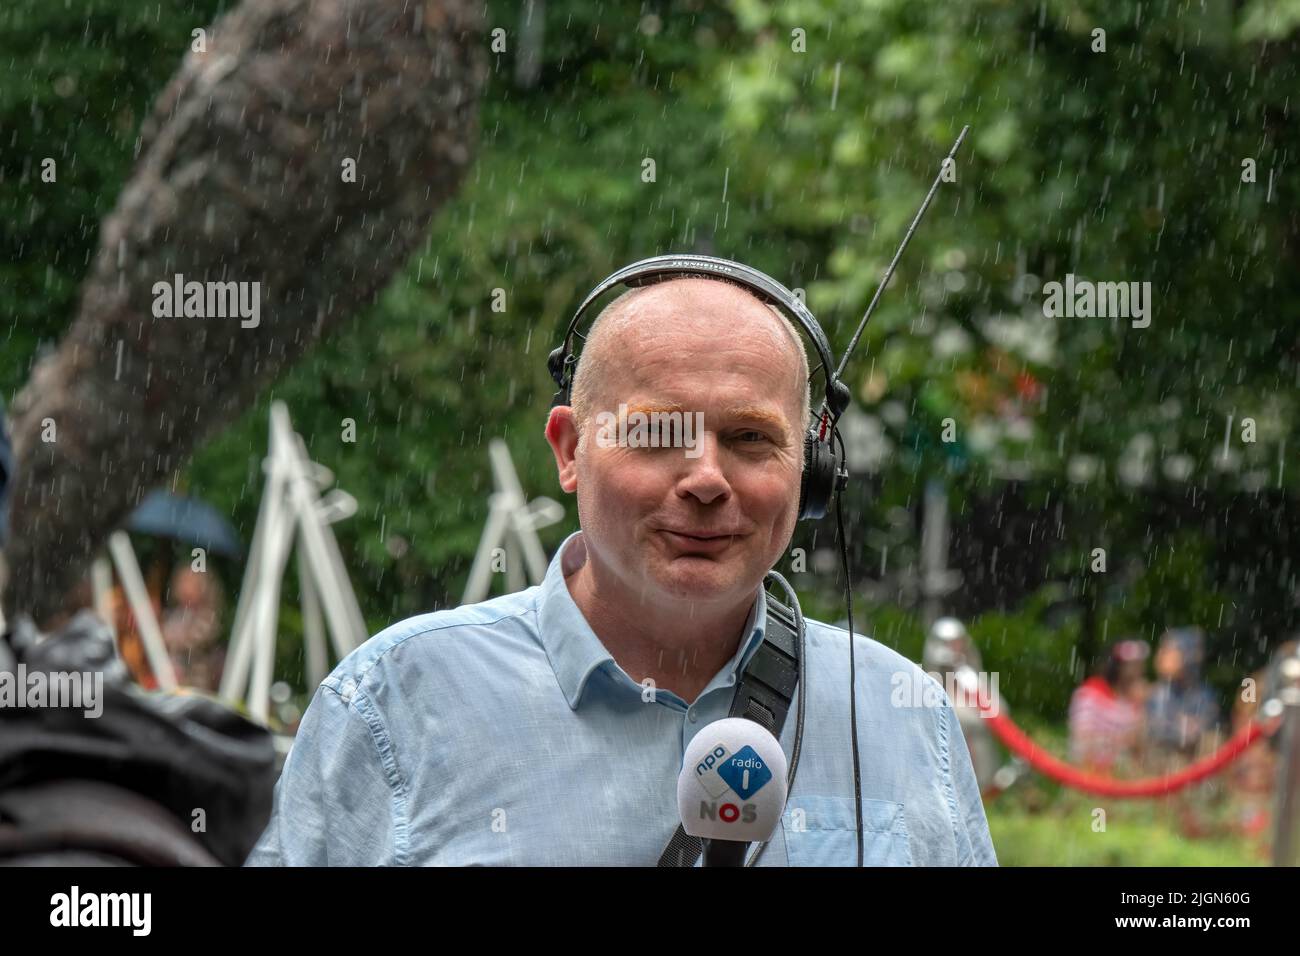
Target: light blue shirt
[(504, 733)]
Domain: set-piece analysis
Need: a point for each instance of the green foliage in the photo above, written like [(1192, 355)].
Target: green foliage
[(897, 628), (1117, 165), (1034, 658)]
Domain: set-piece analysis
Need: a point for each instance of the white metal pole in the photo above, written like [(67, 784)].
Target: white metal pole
[(267, 610), (101, 583), (234, 679), (479, 582), (313, 627), (514, 563), (522, 521), (342, 613)]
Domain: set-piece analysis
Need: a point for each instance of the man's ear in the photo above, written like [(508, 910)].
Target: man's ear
[(562, 434)]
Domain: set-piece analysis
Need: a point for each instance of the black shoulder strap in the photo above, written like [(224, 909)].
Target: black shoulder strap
[(763, 695)]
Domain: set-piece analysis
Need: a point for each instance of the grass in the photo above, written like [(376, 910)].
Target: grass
[(1052, 839)]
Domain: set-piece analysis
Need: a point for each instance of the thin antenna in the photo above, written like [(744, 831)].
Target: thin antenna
[(889, 273)]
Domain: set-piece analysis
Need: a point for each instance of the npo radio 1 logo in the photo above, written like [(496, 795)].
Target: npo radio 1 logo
[(741, 775)]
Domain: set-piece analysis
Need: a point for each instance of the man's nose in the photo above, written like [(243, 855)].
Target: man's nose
[(702, 475)]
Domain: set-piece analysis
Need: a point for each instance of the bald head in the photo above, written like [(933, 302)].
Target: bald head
[(686, 308)]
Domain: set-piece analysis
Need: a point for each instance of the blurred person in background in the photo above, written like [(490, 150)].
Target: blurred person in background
[(1252, 778), (1106, 710), (1182, 711), (948, 649), (130, 644), (191, 626), (1182, 724)]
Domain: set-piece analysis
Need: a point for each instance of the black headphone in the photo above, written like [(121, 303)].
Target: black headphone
[(824, 471)]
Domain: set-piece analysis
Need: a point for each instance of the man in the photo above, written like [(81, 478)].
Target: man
[(547, 727)]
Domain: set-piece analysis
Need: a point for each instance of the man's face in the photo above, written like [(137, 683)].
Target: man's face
[(703, 526)]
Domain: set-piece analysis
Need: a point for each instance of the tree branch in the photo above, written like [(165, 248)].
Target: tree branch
[(239, 179)]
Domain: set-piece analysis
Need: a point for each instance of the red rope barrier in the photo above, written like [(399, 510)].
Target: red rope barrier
[(1017, 741)]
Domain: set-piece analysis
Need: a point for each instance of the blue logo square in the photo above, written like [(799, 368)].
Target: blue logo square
[(745, 772)]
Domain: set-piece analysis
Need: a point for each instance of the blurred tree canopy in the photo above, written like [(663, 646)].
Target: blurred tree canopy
[(800, 137)]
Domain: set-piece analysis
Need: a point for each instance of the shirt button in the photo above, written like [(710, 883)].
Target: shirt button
[(731, 679), (691, 715)]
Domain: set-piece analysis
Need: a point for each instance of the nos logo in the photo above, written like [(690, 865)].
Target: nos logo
[(742, 773), (728, 812)]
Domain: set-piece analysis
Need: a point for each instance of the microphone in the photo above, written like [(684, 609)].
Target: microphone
[(732, 788)]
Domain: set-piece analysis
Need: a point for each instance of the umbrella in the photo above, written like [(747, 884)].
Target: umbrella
[(196, 522)]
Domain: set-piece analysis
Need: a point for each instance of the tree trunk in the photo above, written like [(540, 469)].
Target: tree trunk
[(241, 178)]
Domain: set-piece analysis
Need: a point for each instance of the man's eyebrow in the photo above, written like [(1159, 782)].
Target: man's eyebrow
[(650, 408), (745, 412), (759, 414)]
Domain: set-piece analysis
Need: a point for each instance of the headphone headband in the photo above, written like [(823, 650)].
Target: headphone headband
[(662, 268)]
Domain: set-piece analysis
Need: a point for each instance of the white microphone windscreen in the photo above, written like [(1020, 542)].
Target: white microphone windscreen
[(732, 785)]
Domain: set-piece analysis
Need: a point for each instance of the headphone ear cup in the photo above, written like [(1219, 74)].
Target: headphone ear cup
[(555, 364), (818, 483), (558, 363)]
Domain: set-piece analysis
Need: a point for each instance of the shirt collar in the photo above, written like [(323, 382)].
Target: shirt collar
[(574, 650)]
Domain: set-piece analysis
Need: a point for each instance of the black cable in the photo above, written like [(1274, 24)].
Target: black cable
[(853, 668)]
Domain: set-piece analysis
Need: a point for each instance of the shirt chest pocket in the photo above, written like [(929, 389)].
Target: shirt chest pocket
[(822, 831)]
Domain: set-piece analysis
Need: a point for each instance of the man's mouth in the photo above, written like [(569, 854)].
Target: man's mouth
[(700, 542)]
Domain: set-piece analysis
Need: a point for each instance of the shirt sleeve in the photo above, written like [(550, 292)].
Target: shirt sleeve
[(339, 800), (970, 825)]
